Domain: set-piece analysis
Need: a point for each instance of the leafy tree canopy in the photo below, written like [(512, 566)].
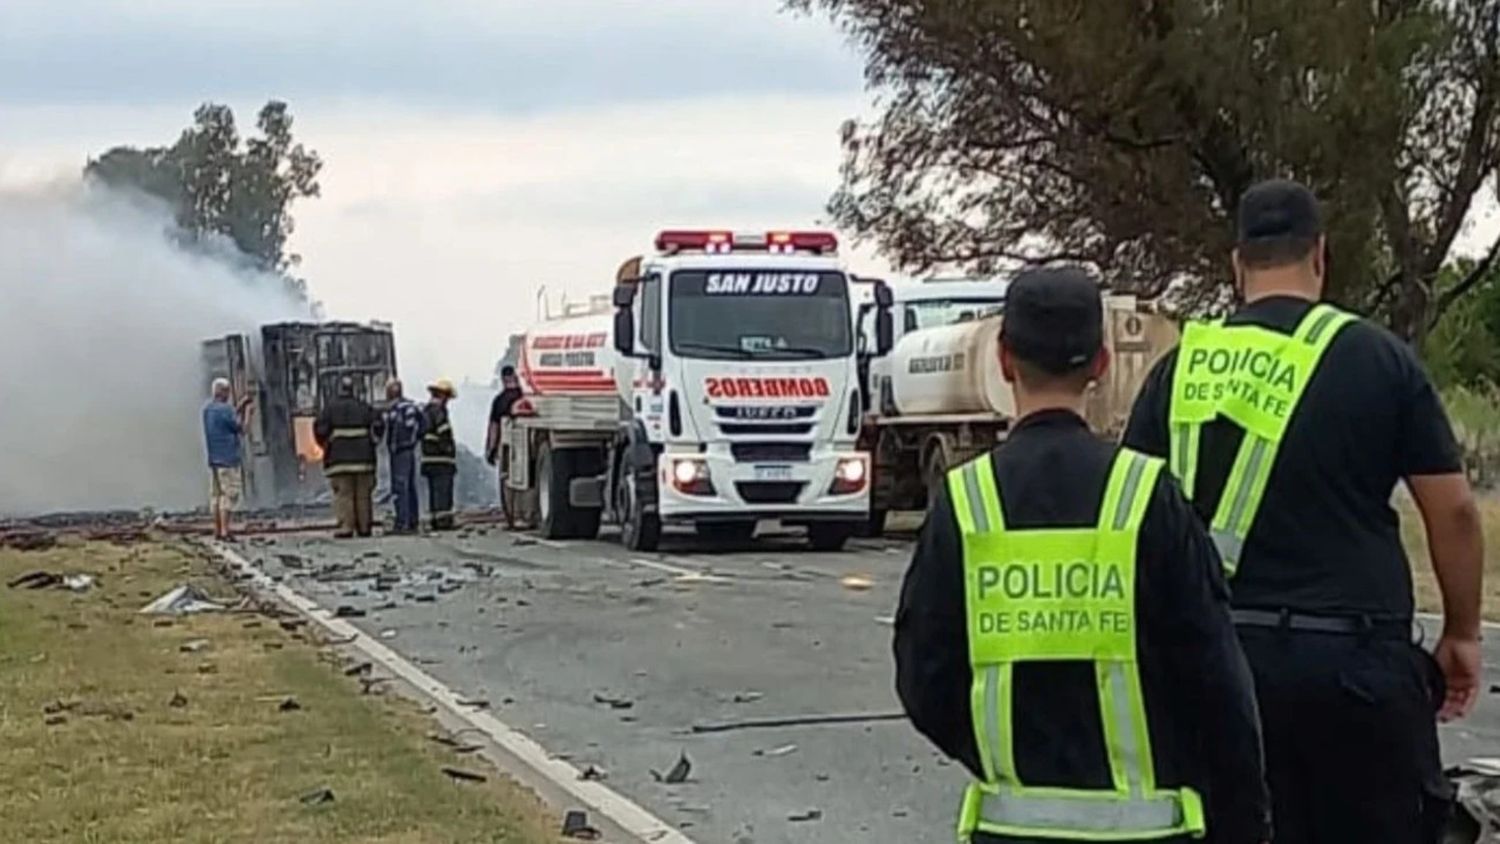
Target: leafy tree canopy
[(1123, 133), (221, 186)]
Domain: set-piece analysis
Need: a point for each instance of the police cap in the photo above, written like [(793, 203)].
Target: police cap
[(1278, 209), (1054, 318)]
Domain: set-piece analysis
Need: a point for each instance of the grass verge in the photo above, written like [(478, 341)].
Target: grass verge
[(119, 727)]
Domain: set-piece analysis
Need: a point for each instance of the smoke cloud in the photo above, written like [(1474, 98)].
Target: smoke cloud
[(101, 323)]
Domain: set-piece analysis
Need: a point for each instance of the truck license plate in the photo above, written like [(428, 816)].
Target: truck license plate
[(773, 473)]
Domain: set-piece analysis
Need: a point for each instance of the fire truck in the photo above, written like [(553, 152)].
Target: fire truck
[(715, 387)]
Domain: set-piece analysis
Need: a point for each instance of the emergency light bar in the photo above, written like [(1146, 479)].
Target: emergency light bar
[(722, 242)]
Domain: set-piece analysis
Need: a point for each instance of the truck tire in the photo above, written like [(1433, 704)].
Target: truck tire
[(639, 530), (736, 533), (829, 536), (555, 519)]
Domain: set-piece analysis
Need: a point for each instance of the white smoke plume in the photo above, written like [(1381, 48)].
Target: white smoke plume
[(101, 323)]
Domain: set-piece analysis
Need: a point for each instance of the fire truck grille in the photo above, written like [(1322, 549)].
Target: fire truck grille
[(770, 492)]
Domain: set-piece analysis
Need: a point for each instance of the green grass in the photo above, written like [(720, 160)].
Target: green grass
[(228, 766)]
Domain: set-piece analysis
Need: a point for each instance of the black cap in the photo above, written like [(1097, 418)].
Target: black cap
[(1054, 318), (1278, 209), (507, 371)]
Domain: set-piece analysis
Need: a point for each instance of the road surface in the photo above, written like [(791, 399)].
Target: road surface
[(610, 658)]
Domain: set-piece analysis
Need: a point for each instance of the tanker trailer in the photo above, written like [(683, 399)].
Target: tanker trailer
[(944, 400)]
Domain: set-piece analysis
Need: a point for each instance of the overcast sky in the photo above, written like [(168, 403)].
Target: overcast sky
[(476, 149)]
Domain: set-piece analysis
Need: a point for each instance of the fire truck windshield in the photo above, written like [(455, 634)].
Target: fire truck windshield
[(759, 314)]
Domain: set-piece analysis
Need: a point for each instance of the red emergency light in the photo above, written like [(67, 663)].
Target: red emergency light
[(722, 242), (707, 241)]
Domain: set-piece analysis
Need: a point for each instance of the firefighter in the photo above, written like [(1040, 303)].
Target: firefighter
[(405, 423), (1289, 425), (1063, 630), (439, 454), (347, 431)]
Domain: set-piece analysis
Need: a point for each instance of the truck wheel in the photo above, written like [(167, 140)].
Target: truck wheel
[(726, 532), (639, 530), (829, 536), (557, 518)]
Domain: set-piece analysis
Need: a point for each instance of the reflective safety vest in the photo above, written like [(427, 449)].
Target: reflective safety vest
[(1254, 377), (1064, 594), (439, 450)]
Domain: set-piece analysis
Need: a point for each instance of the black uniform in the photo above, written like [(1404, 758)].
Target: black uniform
[(348, 454), (1051, 473), (439, 465), (1351, 739)]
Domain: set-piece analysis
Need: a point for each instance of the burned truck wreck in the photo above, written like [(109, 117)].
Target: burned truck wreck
[(289, 371)]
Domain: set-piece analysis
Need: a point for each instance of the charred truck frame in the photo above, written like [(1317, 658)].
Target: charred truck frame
[(289, 372)]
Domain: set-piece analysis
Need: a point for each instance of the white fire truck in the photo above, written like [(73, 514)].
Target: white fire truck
[(716, 387)]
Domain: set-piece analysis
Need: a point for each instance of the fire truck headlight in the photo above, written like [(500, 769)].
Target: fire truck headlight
[(849, 476), (690, 476)]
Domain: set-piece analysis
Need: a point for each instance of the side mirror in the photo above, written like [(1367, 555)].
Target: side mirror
[(885, 333), (883, 297), (624, 330), (624, 295)]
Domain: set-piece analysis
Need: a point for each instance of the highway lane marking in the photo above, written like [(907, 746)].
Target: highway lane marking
[(561, 776), (682, 575)]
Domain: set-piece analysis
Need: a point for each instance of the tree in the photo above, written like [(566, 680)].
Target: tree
[(219, 186), (1122, 134), (1463, 349)]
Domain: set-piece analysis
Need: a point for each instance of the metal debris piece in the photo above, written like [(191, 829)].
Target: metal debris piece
[(193, 646), (465, 776), (522, 541), (178, 700), (747, 697), (477, 703), (425, 598), (1476, 807), (886, 620), (361, 668), (59, 706), (35, 580), (289, 704), (346, 611), (679, 772), (317, 798), (387, 634), (449, 586), (292, 561), (576, 826), (593, 773), (78, 582), (798, 721), (25, 539), (809, 815), (783, 750), (54, 720), (613, 702), (182, 600), (856, 582)]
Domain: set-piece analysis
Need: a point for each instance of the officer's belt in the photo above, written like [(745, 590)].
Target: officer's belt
[(1304, 622)]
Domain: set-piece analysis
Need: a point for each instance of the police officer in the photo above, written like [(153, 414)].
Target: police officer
[(1064, 629), (1290, 424), (346, 430), (439, 454)]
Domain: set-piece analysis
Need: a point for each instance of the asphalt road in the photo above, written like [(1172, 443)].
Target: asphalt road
[(610, 659)]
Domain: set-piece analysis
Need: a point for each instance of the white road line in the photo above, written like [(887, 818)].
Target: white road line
[(682, 574), (618, 809)]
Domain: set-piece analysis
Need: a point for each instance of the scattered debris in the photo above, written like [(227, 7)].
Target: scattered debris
[(887, 620), (856, 582), (79, 582), (425, 598), (387, 634), (182, 600), (522, 541), (317, 798), (292, 561), (613, 702), (337, 641), (465, 776), (35, 580), (477, 703), (576, 826), (59, 706), (193, 646), (25, 539), (799, 721), (594, 773), (783, 750), (178, 700), (54, 720), (1476, 807), (346, 611), (362, 668), (747, 697), (289, 704), (449, 587), (679, 772), (388, 605), (809, 815)]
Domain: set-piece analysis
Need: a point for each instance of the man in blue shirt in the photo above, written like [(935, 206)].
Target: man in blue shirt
[(404, 427), (222, 427)]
